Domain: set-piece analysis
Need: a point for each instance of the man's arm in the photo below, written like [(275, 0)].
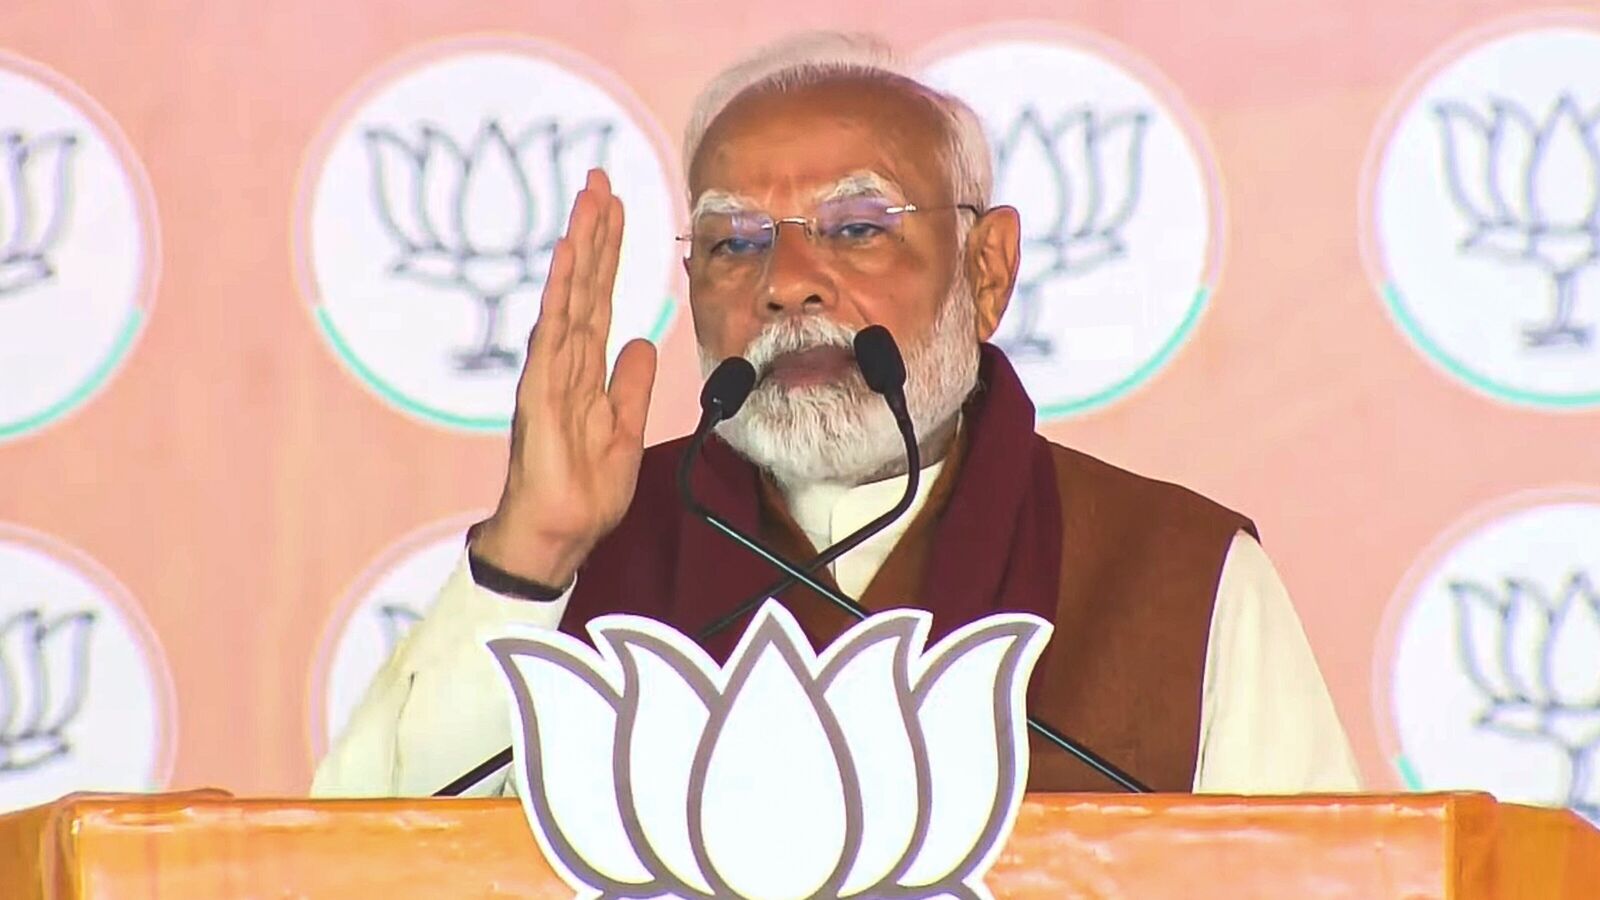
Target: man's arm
[(438, 707), (1267, 722)]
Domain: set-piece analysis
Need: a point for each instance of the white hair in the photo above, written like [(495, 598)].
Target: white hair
[(843, 433), (816, 57)]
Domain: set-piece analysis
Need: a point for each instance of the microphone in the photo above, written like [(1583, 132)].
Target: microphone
[(724, 392), (883, 369)]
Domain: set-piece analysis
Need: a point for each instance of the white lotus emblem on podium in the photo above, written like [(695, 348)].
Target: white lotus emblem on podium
[(875, 769)]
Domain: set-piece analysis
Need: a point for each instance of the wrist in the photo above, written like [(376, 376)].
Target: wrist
[(501, 553)]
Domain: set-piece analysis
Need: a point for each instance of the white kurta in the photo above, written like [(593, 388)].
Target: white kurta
[(438, 706)]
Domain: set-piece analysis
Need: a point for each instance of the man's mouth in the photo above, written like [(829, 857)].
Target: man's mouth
[(814, 365)]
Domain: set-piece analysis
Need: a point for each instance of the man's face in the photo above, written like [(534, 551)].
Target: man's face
[(787, 154)]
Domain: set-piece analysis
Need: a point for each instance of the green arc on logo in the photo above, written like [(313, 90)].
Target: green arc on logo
[(1481, 382), (85, 389), (409, 404), (1145, 372)]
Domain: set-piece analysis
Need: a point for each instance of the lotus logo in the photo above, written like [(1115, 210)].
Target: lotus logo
[(1088, 167), (396, 619), (1530, 653), (873, 770), (1529, 188), (44, 669), (35, 195), (481, 220)]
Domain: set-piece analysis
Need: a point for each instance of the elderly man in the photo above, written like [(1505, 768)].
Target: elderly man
[(829, 193)]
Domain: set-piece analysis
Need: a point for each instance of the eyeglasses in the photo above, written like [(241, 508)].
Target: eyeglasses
[(730, 245)]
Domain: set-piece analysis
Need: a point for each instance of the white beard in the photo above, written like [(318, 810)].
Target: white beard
[(843, 432)]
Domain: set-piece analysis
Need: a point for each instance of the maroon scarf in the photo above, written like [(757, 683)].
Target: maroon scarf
[(996, 542)]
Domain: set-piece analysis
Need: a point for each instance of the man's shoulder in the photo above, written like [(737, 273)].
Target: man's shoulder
[(1097, 487)]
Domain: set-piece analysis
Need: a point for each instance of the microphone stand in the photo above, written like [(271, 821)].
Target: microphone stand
[(715, 410), (851, 541)]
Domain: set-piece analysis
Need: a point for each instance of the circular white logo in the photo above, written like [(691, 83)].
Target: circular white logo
[(1494, 682), (1120, 224), (428, 219), (387, 599), (1484, 215), (77, 247), (85, 698)]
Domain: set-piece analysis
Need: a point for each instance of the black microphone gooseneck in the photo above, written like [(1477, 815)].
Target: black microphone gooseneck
[(724, 393), (885, 373)]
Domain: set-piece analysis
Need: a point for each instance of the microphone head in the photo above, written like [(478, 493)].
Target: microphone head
[(730, 383), (879, 359)]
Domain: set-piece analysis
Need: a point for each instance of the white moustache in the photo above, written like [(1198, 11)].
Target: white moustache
[(793, 335)]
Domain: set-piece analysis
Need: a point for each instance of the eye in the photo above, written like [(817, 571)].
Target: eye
[(738, 246), (857, 231)]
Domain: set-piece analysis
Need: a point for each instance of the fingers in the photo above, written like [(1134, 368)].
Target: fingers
[(596, 218), (573, 354), (605, 274), (631, 383)]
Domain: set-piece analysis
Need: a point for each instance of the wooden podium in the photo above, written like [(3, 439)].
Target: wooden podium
[(210, 845)]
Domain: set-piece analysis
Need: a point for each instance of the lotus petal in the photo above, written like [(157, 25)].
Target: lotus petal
[(397, 188), (1480, 629), (1511, 141), (578, 147), (444, 176), (65, 661), (496, 208), (667, 692), (977, 674), (397, 620), (1466, 159), (23, 272), (1564, 179), (438, 268), (1506, 242), (772, 709), (566, 738), (866, 682), (1031, 176), (536, 154), (1571, 668), (1526, 638), (45, 193), (1117, 154), (11, 195), (1515, 718), (22, 661)]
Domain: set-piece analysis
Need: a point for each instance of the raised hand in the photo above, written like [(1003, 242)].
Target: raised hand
[(575, 441)]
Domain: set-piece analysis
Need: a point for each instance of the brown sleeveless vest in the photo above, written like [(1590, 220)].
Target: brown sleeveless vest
[(1140, 562), (1125, 567)]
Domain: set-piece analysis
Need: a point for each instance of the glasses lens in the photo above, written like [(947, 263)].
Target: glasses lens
[(857, 220), (732, 235)]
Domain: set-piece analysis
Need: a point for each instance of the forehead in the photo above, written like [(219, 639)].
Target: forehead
[(768, 143)]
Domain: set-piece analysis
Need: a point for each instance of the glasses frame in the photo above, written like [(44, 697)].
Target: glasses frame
[(809, 223)]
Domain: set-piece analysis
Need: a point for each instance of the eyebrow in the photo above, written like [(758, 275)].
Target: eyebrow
[(715, 201), (860, 184), (856, 184)]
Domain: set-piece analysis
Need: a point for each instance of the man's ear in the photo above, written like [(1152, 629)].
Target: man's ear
[(994, 250)]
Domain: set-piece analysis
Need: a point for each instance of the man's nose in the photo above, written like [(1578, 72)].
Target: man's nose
[(797, 277)]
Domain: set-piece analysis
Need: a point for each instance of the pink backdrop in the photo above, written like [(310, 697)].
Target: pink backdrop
[(242, 485)]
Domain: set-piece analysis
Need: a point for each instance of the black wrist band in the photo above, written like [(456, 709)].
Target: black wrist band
[(500, 581)]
